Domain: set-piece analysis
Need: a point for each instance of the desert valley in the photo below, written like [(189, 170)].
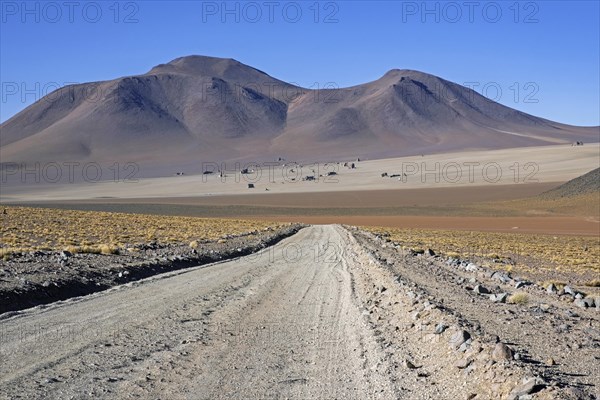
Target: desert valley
[(205, 230)]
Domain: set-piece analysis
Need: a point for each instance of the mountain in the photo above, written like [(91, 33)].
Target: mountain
[(203, 109), (584, 184)]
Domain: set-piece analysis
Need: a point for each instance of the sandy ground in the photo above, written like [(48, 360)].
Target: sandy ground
[(316, 316), (487, 169)]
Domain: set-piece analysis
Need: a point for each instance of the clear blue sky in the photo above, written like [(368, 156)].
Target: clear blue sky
[(549, 48)]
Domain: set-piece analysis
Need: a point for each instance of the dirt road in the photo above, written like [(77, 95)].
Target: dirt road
[(313, 317)]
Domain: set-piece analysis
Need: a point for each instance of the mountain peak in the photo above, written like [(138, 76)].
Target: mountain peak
[(199, 65)]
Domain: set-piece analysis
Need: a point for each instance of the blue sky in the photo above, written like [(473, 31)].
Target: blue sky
[(541, 57)]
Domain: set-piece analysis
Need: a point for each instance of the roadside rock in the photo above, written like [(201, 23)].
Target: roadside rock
[(458, 339), (440, 328), (481, 289), (499, 298), (529, 386), (502, 352), (569, 291)]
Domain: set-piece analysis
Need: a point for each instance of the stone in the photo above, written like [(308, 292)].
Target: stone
[(499, 276), (458, 339), (568, 290), (589, 302), (481, 289), (502, 352), (521, 284), (65, 254), (580, 303), (408, 364), (440, 328), (551, 288), (465, 346), (463, 363), (529, 386), (471, 267), (499, 298)]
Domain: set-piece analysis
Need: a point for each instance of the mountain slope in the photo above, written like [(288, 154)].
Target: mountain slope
[(584, 184), (197, 108)]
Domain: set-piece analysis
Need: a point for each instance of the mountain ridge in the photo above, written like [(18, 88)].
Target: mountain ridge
[(199, 107)]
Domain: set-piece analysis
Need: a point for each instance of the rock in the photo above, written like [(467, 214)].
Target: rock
[(502, 352), (521, 284), (471, 267), (440, 328), (550, 362), (463, 363), (46, 284), (481, 289), (430, 252), (551, 288), (571, 314), (579, 296), (568, 290), (458, 339), (408, 364), (529, 386), (499, 276), (580, 303), (499, 298), (465, 346), (65, 254), (589, 302)]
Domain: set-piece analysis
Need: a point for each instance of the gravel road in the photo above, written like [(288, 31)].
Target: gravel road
[(314, 317)]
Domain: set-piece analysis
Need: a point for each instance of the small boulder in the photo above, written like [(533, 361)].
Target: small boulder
[(590, 302), (568, 290), (459, 338), (463, 363), (499, 298), (481, 289), (551, 288), (471, 267), (580, 303), (440, 328), (502, 352), (521, 284), (529, 386)]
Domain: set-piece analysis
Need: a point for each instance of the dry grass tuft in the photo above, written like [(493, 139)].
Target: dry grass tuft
[(518, 298), (593, 283)]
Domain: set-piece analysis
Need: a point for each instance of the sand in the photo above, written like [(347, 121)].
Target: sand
[(477, 169)]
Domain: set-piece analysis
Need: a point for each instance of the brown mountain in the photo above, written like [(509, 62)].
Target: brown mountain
[(582, 185), (196, 109)]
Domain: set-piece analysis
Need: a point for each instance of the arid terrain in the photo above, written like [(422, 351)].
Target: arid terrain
[(410, 240), (329, 312), (372, 289), (301, 200)]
